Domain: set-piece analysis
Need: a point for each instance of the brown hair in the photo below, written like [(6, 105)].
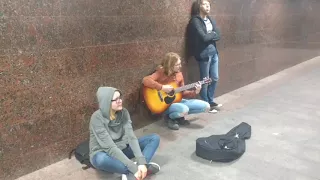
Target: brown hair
[(195, 8), (169, 62), (200, 1)]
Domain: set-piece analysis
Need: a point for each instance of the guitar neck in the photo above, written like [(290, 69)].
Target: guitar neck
[(186, 87)]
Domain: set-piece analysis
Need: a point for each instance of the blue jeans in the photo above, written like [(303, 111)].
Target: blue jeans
[(209, 69), (186, 106), (102, 161)]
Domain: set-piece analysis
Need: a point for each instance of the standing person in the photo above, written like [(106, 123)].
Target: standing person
[(113, 143), (204, 36)]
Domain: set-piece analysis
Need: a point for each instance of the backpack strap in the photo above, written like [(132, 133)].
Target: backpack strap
[(72, 151), (86, 167)]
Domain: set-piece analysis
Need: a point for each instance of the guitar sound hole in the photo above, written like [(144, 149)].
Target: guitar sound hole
[(171, 93), (169, 100)]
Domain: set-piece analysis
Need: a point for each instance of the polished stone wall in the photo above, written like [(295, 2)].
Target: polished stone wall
[(54, 54)]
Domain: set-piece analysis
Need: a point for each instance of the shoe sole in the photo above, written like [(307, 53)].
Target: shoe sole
[(155, 165), (213, 111)]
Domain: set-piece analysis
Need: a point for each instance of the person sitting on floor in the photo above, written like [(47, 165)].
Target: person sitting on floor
[(113, 143), (169, 71)]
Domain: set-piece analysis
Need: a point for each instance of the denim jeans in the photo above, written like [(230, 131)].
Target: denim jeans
[(102, 161), (186, 106), (209, 69)]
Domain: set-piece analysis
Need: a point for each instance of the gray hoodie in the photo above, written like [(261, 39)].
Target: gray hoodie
[(112, 136)]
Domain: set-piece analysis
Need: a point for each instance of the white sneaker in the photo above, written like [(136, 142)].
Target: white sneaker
[(124, 177), (213, 111), (128, 177)]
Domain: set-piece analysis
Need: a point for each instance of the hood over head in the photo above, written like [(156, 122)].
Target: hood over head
[(104, 96)]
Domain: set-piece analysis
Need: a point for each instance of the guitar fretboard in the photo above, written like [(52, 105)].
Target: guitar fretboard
[(186, 87)]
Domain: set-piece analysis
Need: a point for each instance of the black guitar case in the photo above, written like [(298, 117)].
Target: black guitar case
[(224, 148)]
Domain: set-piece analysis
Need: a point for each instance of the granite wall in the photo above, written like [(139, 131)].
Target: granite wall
[(54, 54)]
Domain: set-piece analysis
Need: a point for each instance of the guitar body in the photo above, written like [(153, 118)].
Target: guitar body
[(159, 101)]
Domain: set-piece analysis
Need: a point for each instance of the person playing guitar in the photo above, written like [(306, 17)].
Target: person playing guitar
[(168, 72)]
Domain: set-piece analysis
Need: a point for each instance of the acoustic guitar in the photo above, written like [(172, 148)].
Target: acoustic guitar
[(158, 101)]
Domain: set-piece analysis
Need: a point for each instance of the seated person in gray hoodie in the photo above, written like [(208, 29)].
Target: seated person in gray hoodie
[(113, 143)]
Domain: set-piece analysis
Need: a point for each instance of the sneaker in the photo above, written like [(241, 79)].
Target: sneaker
[(183, 121), (128, 177), (212, 110), (215, 105), (173, 124), (153, 168)]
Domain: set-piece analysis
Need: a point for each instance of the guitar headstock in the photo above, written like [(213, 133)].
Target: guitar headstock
[(206, 80)]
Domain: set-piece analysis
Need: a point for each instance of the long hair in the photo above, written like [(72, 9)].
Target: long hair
[(195, 8), (169, 62), (200, 1), (189, 33)]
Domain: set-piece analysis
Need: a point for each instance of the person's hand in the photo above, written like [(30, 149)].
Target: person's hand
[(198, 88), (167, 88), (143, 170), (138, 175)]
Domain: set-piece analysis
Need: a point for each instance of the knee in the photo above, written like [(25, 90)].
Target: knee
[(155, 138), (99, 160), (207, 107), (184, 111), (183, 114), (215, 78)]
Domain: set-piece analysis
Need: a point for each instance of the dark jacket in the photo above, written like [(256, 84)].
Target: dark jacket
[(202, 44)]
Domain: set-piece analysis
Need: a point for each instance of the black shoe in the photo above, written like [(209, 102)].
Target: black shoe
[(215, 105), (183, 121), (173, 124), (152, 168)]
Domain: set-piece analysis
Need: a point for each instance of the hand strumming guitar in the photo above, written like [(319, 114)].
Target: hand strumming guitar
[(167, 88)]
